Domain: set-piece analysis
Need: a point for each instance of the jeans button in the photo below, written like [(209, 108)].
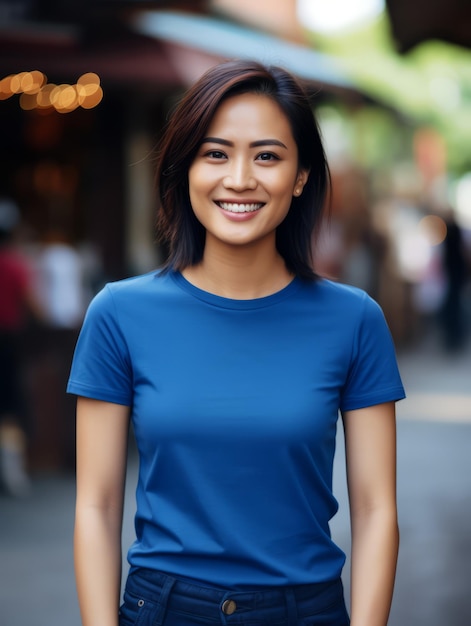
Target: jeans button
[(229, 607)]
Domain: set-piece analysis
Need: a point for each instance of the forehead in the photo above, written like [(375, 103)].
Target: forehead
[(249, 114)]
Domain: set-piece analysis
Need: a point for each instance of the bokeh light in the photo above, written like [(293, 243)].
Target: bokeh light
[(36, 93)]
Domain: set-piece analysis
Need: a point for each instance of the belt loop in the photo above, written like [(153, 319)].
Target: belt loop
[(163, 601), (291, 607)]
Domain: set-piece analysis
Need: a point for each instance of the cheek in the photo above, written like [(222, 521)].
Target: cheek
[(196, 187), (283, 193), (198, 191), (201, 179), (282, 182), (193, 177)]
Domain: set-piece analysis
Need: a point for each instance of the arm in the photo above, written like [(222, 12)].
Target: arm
[(102, 433), (370, 439)]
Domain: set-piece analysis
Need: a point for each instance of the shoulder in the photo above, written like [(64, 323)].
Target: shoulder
[(343, 309), (137, 284), (136, 288), (337, 296), (339, 291), (128, 293)]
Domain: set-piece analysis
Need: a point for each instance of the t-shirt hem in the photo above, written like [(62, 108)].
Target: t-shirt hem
[(79, 389), (391, 395)]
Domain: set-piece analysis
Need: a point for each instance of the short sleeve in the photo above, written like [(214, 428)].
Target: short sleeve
[(101, 367), (373, 376)]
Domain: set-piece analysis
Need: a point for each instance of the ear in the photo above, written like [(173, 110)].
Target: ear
[(301, 180)]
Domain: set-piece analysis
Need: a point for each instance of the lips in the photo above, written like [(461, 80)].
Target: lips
[(240, 207)]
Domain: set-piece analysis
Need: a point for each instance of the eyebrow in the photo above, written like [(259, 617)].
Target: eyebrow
[(253, 144)]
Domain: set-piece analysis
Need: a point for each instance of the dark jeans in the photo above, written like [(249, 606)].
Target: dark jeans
[(155, 599)]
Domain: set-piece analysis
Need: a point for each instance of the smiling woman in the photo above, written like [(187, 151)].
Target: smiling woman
[(274, 109), (233, 362)]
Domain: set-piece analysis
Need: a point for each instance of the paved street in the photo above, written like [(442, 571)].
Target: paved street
[(434, 476)]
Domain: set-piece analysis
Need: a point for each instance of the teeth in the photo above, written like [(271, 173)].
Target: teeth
[(240, 208)]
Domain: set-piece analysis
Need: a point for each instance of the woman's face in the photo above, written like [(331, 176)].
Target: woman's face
[(245, 172)]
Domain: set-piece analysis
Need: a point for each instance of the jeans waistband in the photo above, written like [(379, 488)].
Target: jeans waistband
[(226, 606)]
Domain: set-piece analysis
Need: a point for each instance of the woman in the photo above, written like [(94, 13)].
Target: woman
[(232, 363)]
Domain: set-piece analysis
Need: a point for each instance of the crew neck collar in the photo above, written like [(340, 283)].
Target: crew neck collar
[(230, 303)]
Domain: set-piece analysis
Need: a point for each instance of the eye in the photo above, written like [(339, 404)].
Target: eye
[(215, 154), (267, 156)]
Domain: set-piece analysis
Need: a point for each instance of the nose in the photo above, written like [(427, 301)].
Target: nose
[(240, 176)]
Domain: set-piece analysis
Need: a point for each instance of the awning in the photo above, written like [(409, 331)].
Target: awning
[(226, 40), (121, 58)]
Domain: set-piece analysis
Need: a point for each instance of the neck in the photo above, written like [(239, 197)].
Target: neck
[(240, 273)]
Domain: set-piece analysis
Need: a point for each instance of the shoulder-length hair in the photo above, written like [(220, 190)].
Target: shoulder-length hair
[(177, 227)]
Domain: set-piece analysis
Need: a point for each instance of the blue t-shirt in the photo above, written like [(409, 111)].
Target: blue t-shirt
[(235, 406)]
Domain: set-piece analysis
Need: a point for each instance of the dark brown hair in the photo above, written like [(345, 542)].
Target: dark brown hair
[(177, 227)]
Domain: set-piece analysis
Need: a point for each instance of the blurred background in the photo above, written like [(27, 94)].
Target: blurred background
[(85, 90)]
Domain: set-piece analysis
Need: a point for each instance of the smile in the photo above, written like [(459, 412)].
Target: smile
[(235, 207)]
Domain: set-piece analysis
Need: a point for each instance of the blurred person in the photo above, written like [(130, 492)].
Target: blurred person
[(60, 281), (17, 301), (456, 274), (232, 363)]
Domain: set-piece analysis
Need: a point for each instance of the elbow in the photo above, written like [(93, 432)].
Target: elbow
[(382, 517)]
